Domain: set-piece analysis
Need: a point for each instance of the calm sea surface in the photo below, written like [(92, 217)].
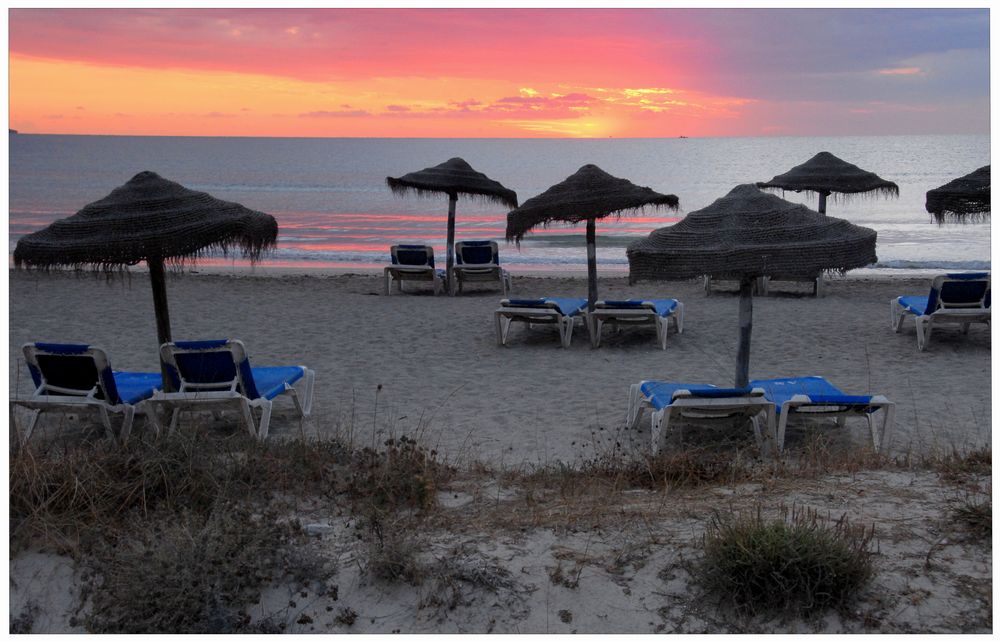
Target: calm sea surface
[(334, 209)]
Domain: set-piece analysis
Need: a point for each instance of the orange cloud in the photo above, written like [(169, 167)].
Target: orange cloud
[(901, 71)]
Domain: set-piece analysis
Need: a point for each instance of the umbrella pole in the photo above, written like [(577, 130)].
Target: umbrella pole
[(591, 264), (746, 327), (156, 278), (450, 252), (822, 202)]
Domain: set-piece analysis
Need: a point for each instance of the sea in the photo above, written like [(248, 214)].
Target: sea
[(334, 210)]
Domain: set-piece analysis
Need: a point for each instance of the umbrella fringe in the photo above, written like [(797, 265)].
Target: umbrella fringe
[(517, 230), (401, 189)]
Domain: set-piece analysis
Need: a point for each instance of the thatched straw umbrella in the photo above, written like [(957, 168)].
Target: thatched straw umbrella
[(963, 199), (745, 235), (824, 173), (453, 177), (148, 219), (589, 194)]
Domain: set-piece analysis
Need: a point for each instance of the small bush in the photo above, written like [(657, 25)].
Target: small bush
[(393, 552), (186, 575), (976, 516), (405, 474), (796, 564)]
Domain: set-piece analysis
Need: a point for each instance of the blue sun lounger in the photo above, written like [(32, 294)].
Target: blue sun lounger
[(815, 396), (563, 312), (210, 374), (412, 263), (698, 403), (656, 312), (954, 298), (479, 261), (73, 377)]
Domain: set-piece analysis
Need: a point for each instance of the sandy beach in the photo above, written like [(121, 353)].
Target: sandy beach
[(444, 379), (592, 560)]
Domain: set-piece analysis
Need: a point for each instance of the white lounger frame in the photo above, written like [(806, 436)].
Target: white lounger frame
[(505, 315), (209, 396), (69, 399), (400, 273), (964, 314), (480, 272), (804, 406), (702, 410), (617, 317)]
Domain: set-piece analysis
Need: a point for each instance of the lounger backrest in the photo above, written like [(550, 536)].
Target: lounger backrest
[(416, 255), (209, 366), (71, 369), (957, 291), (477, 252)]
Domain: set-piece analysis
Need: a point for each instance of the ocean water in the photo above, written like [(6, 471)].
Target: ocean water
[(334, 209)]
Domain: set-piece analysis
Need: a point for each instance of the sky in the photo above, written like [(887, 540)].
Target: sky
[(499, 72)]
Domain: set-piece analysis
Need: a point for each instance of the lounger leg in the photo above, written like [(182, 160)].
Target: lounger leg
[(820, 287), (32, 422), (679, 318), (634, 409), (897, 315), (498, 323), (388, 278), (106, 420), (305, 409), (247, 413), (708, 285), (566, 324), (175, 415), (153, 417), (662, 328), (782, 425), (594, 328), (841, 421), (923, 332), (265, 419), (126, 430)]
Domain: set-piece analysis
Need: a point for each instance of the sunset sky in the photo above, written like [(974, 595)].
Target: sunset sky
[(503, 73)]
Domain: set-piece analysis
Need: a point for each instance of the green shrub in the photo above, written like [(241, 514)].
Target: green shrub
[(797, 564)]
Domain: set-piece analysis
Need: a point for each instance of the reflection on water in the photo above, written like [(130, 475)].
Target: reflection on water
[(334, 210)]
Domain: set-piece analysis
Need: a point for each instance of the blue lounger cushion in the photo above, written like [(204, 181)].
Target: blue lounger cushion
[(661, 393), (568, 306), (819, 390), (133, 387), (663, 307), (260, 382), (271, 380)]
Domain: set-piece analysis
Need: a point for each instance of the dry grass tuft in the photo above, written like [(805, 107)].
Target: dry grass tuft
[(795, 565), (187, 574)]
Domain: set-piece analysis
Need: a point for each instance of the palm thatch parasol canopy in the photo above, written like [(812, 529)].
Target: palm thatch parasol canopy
[(452, 177), (747, 234), (148, 219), (965, 199), (824, 173), (589, 194)]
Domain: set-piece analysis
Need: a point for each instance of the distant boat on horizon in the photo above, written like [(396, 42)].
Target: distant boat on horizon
[(682, 137), (11, 131)]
